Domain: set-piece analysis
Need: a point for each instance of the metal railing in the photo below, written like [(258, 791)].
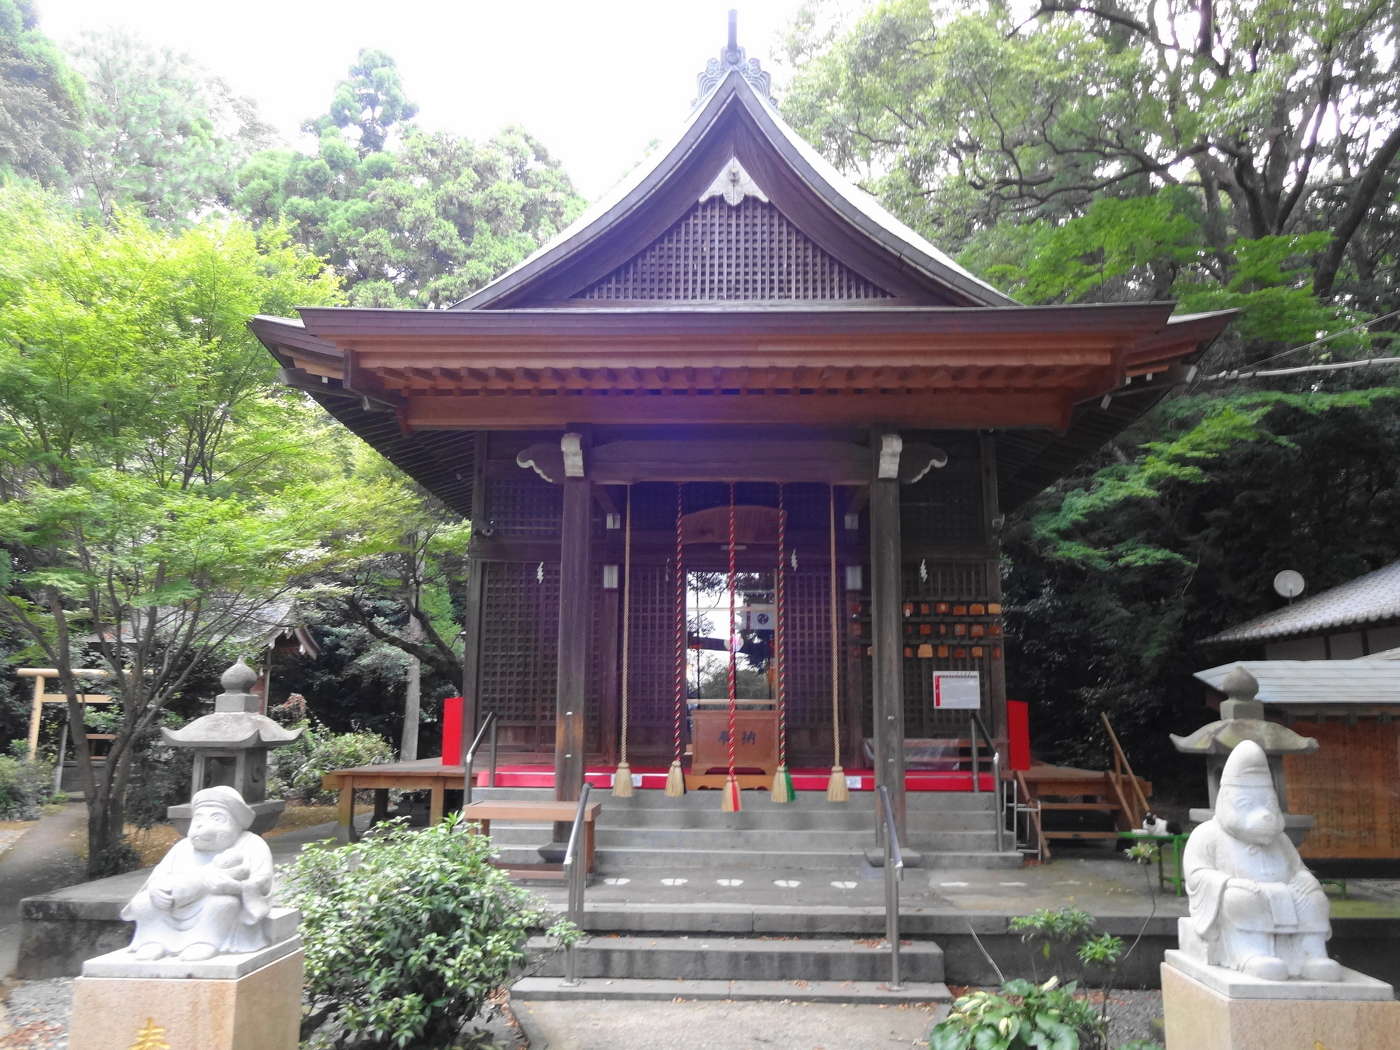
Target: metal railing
[(488, 725), (575, 879), (980, 727), (894, 872)]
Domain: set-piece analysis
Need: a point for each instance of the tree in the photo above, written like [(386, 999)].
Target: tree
[(41, 100), (160, 133), (1275, 122), (371, 102), (421, 224), (393, 596), (155, 479)]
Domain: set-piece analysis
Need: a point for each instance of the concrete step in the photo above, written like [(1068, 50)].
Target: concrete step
[(620, 860), (740, 959), (546, 989), (788, 820), (724, 839), (623, 859), (755, 801)]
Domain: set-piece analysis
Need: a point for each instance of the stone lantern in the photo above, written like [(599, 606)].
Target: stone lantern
[(1242, 718), (230, 748)]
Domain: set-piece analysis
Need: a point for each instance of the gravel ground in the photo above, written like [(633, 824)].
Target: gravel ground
[(1135, 1015), (34, 1015)]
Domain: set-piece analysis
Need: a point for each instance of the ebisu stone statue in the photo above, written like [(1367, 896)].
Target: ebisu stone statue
[(1254, 907), (210, 895)]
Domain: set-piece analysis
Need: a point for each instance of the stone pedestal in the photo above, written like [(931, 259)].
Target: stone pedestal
[(1212, 1008), (230, 1002)]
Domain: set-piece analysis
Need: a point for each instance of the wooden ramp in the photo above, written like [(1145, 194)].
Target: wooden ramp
[(1118, 793)]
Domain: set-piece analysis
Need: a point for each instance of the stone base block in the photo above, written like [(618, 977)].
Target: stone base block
[(259, 1011), (1200, 1018)]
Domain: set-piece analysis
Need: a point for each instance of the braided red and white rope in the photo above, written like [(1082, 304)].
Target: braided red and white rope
[(733, 649)]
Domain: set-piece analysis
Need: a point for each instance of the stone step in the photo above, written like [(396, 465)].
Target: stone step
[(620, 860), (740, 959), (547, 989), (623, 859), (788, 820), (725, 839)]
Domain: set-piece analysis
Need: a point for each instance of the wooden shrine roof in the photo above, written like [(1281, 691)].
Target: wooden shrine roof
[(738, 279)]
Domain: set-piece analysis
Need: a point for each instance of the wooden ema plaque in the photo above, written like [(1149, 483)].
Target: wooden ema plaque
[(755, 750)]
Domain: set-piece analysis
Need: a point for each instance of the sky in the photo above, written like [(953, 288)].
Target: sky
[(596, 82)]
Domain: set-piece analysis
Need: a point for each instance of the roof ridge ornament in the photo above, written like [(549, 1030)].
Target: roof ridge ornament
[(733, 183), (733, 58)]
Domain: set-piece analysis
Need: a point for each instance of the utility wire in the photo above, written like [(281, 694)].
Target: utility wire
[(1330, 336), (1236, 374)]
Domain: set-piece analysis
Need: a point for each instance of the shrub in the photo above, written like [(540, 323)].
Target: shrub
[(1022, 1016), (407, 935), (24, 787), (296, 769)]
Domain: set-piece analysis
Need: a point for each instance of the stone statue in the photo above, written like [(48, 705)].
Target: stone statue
[(1254, 906), (210, 895)]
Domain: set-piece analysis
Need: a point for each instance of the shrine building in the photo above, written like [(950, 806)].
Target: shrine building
[(737, 371)]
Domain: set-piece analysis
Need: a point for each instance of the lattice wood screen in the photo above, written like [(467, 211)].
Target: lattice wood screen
[(945, 506), (653, 653), (809, 648), (524, 506), (948, 623), (719, 251), (520, 649)]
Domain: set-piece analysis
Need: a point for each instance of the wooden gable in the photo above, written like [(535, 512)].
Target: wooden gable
[(737, 209), (720, 251)]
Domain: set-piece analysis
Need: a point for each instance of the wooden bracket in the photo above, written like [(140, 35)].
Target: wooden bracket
[(571, 444), (891, 445)]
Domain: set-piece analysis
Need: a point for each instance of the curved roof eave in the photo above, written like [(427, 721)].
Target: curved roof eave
[(855, 206)]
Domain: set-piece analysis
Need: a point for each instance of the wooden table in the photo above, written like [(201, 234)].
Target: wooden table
[(525, 811), (427, 774)]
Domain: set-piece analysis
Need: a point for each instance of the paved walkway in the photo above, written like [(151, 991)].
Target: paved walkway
[(45, 859)]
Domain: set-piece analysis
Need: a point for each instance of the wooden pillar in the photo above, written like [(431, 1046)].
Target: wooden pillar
[(887, 641), (575, 642), (991, 532), (475, 598), (471, 652)]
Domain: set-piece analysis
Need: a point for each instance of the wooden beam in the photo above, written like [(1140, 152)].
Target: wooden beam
[(1019, 409), (886, 599), (575, 642)]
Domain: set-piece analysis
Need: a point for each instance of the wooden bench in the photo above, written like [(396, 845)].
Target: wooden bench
[(428, 774), (524, 811)]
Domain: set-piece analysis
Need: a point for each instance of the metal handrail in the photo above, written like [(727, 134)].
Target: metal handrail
[(978, 726), (894, 872), (575, 878), (488, 723)]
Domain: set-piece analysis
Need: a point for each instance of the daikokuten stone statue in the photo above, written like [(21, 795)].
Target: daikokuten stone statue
[(1254, 907), (210, 895)]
